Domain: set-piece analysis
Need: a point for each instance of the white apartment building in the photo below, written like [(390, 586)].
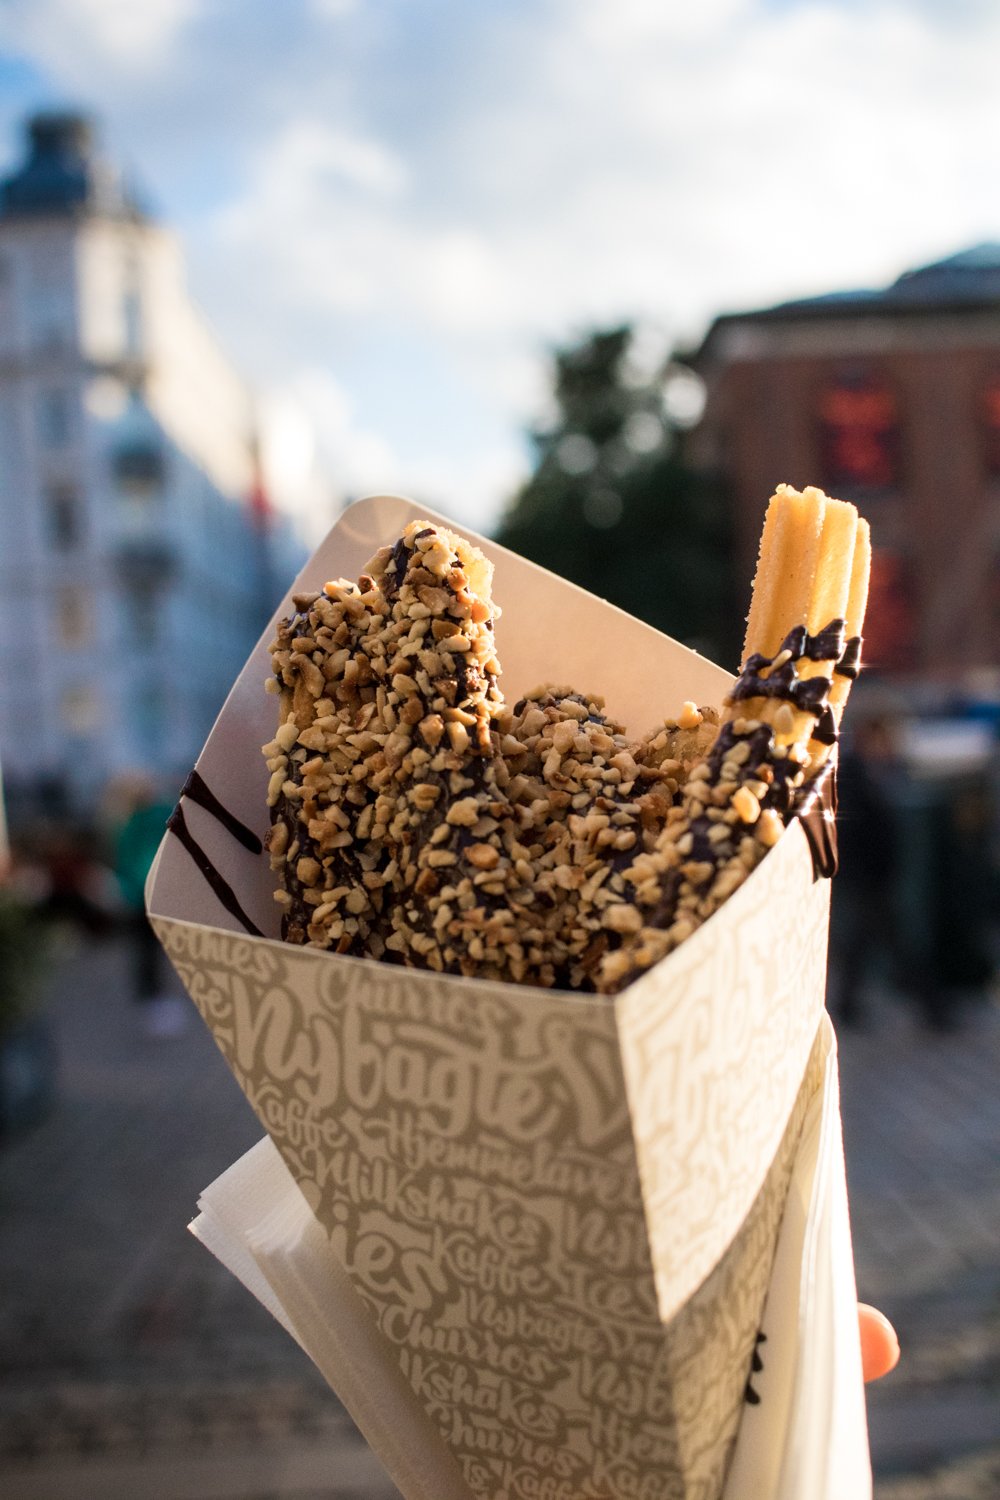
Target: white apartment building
[(136, 571)]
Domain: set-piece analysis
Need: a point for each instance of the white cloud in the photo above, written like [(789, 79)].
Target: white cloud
[(317, 455), (524, 172), (324, 218), (314, 453), (114, 35), (659, 159), (332, 10), (327, 158)]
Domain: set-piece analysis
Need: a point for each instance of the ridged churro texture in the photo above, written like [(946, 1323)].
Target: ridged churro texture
[(813, 569), (780, 722)]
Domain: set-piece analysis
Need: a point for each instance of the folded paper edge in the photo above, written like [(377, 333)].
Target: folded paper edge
[(270, 1248)]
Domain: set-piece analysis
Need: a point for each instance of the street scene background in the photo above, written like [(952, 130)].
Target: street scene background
[(133, 1363), (592, 280)]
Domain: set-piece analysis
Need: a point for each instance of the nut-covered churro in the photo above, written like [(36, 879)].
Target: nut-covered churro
[(321, 810), (399, 758)]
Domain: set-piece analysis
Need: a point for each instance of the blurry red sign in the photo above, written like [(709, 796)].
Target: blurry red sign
[(890, 638), (859, 434), (991, 427)]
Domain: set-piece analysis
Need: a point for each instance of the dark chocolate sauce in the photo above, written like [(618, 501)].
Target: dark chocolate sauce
[(815, 804), (177, 824), (392, 578), (197, 791), (805, 693), (808, 694), (849, 664), (826, 645), (756, 1365), (825, 732), (818, 816)]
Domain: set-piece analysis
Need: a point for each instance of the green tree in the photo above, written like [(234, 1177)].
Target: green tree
[(613, 506)]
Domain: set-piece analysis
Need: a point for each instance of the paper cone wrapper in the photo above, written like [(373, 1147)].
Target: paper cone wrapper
[(559, 1211), (803, 1432)]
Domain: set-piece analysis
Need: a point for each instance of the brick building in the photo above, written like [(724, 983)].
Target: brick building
[(892, 399)]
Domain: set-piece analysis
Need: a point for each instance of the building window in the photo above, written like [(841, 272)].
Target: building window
[(138, 467), (890, 640), (51, 320), (55, 418), (65, 514), (73, 615), (132, 317), (150, 721), (143, 616), (81, 708), (106, 398), (859, 434), (991, 427)]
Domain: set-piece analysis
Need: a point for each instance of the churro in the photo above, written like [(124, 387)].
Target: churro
[(779, 723)]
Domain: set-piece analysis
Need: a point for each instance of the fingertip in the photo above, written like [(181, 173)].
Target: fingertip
[(879, 1343)]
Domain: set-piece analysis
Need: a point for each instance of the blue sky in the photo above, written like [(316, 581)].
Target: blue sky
[(392, 209)]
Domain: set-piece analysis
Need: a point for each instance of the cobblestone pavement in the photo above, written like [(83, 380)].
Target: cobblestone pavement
[(922, 1138), (133, 1365)]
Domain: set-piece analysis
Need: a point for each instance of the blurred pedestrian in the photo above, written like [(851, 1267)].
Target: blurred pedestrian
[(864, 929), (954, 959), (142, 817), (76, 887)]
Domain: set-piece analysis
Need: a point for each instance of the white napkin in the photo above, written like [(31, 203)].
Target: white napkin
[(806, 1438), (256, 1221)]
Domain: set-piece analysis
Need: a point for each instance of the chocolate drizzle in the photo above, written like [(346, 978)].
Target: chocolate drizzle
[(849, 664), (826, 645), (805, 693), (818, 816), (825, 732), (392, 578), (196, 790), (815, 803), (756, 1366), (808, 694)]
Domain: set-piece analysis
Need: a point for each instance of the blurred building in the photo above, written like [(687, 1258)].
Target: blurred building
[(892, 399), (139, 558)]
